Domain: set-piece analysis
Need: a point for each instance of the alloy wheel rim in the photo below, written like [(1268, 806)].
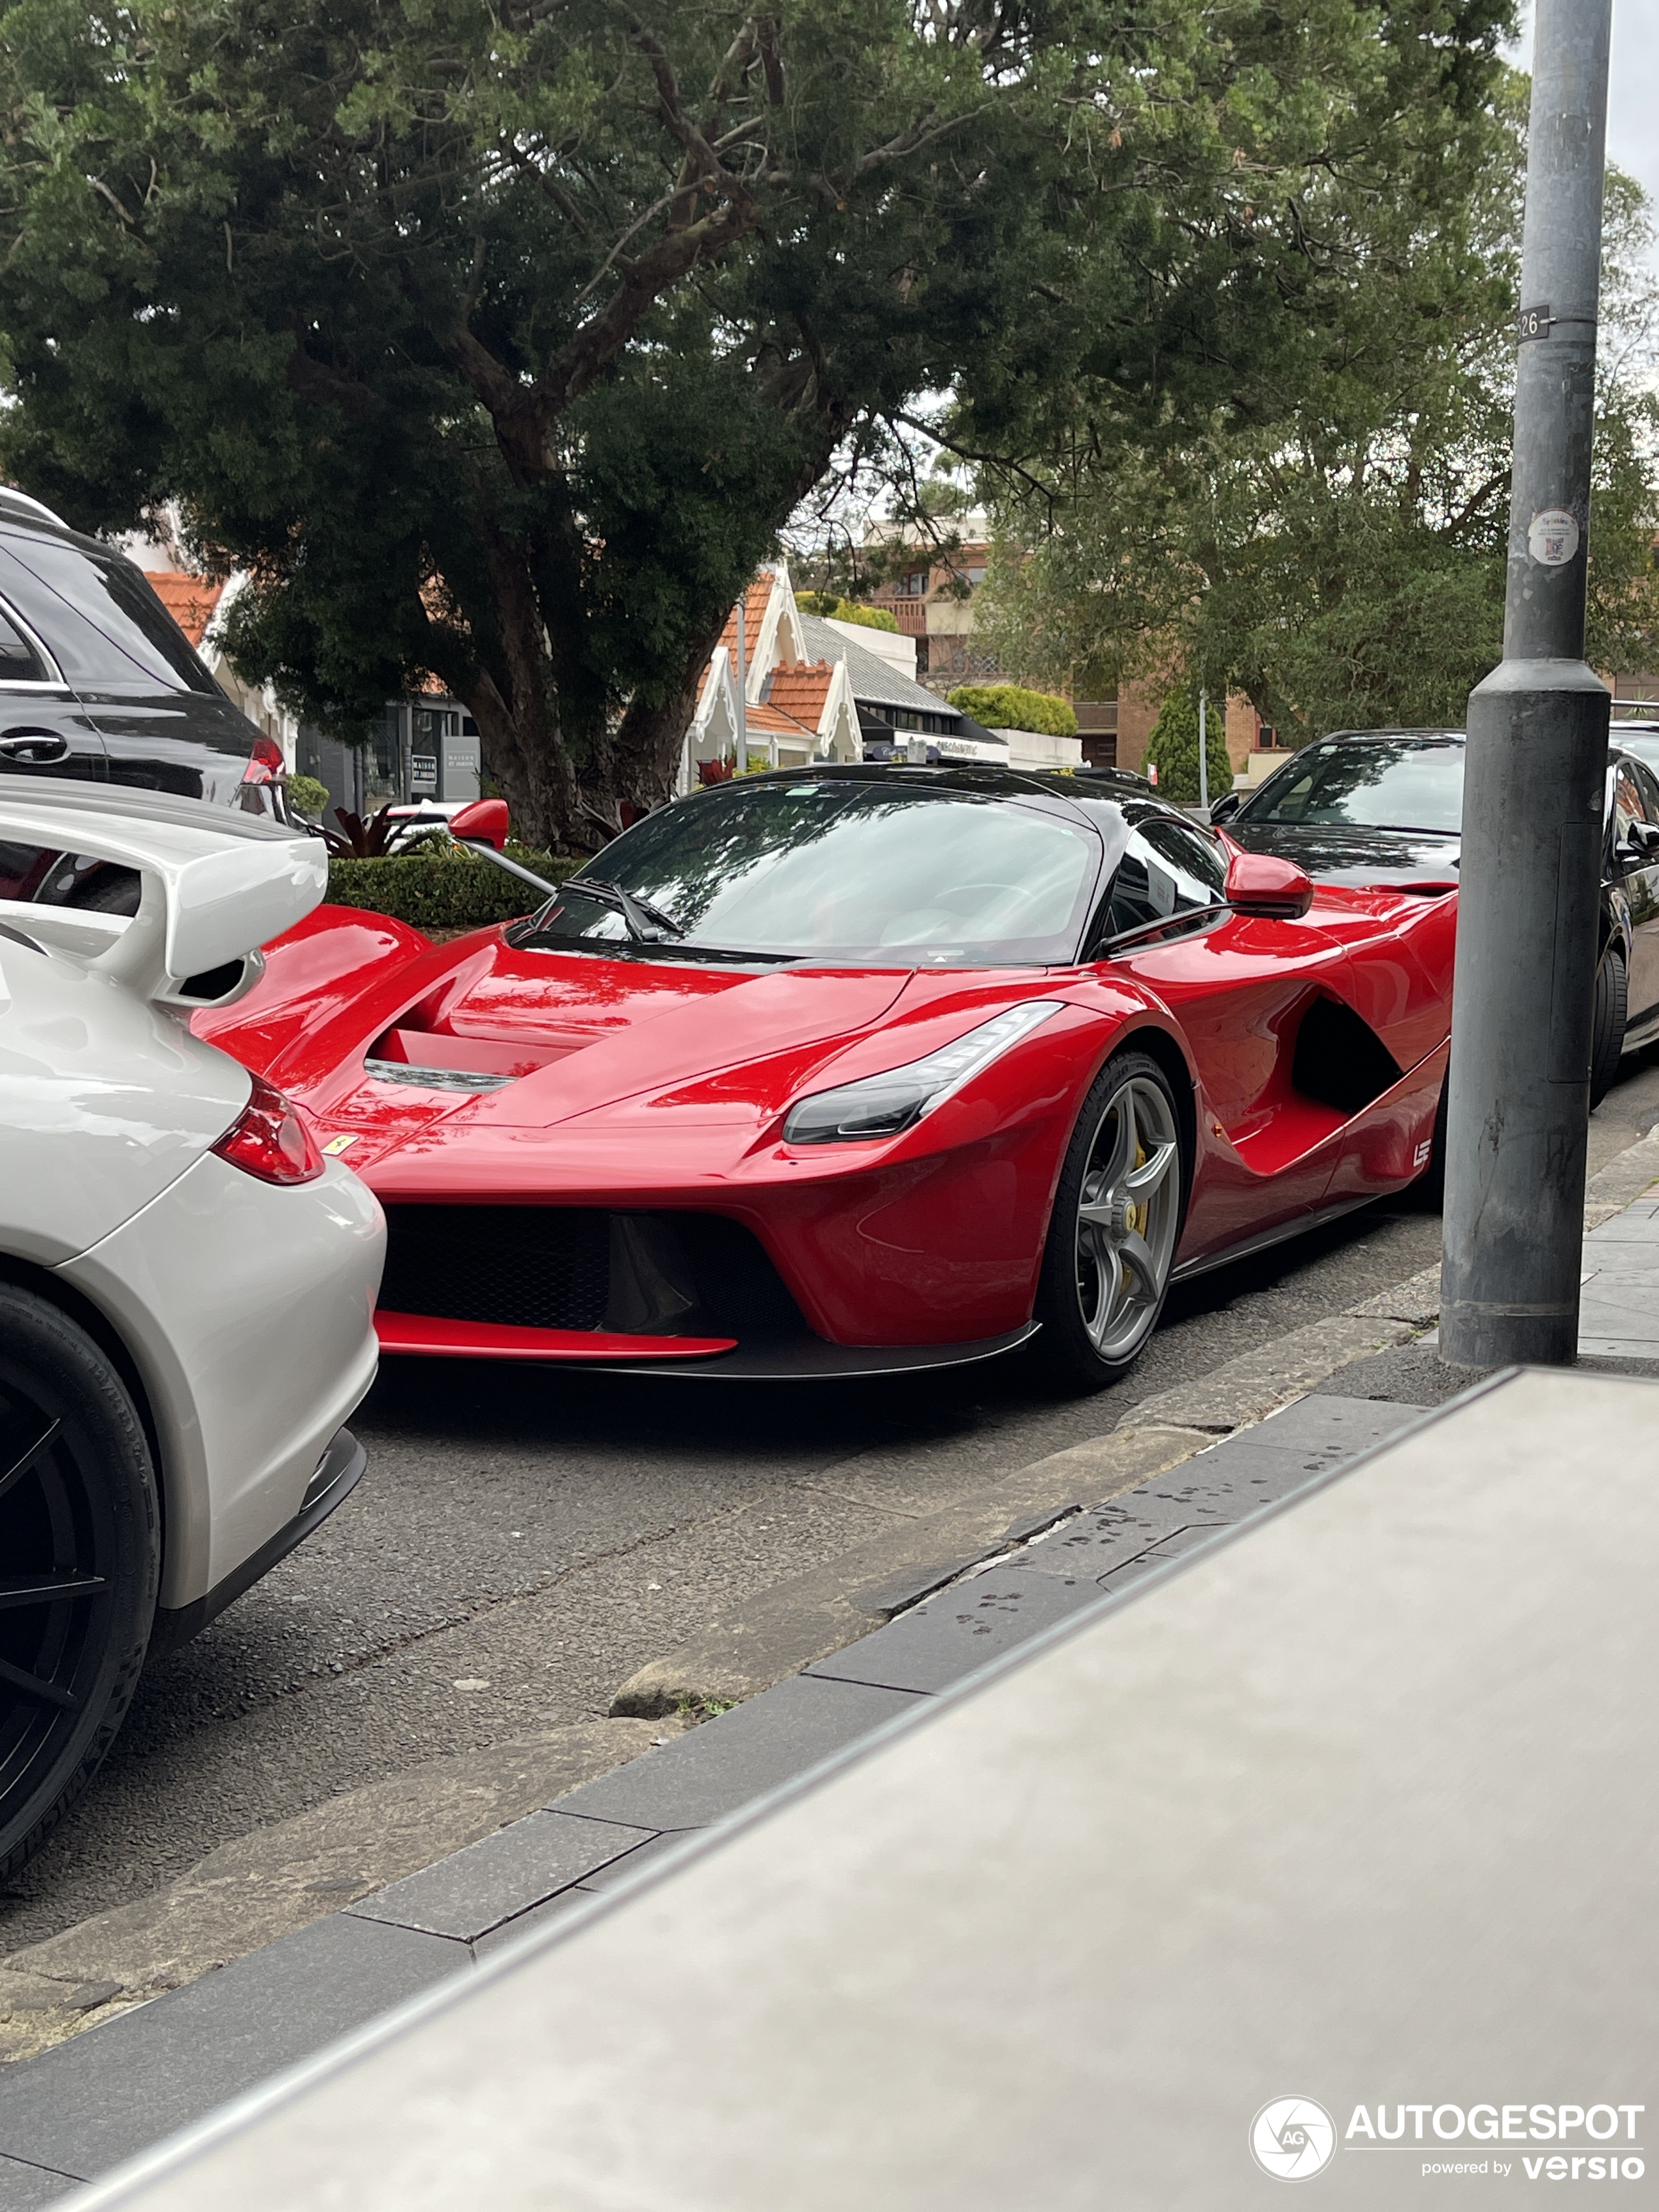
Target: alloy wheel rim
[(1127, 1210), (55, 1592)]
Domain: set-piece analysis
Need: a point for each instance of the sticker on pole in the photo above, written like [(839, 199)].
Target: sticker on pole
[(1552, 537)]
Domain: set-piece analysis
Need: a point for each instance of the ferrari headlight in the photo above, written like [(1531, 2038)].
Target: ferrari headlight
[(887, 1104)]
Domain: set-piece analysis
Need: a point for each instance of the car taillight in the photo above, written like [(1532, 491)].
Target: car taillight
[(265, 762), (270, 1141)]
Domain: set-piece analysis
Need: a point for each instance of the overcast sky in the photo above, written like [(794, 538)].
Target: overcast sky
[(1633, 141)]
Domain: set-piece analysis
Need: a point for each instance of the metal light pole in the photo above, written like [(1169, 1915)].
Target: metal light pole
[(742, 740), (1535, 779), (1203, 756)]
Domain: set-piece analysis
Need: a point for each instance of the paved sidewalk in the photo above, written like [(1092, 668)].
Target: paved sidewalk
[(112, 2091), (1355, 1802)]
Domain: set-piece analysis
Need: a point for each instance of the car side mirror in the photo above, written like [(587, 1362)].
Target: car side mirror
[(1226, 807), (1261, 883), (485, 821)]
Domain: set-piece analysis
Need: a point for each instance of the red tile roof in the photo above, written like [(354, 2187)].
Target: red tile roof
[(755, 601), (801, 689), (769, 721), (190, 601)]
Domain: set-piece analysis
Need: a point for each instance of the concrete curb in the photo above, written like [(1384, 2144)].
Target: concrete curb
[(798, 1622), (281, 1878), (793, 1623)]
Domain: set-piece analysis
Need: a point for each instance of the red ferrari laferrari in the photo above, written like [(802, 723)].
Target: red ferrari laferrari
[(848, 1070)]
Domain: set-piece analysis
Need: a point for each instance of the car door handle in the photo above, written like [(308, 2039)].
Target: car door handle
[(37, 747)]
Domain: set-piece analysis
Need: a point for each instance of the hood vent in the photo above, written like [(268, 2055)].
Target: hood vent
[(438, 1061)]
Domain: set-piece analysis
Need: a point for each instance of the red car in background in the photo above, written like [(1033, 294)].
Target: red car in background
[(859, 1069)]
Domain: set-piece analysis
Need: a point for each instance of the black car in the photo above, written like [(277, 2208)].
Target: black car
[(1383, 809), (99, 684)]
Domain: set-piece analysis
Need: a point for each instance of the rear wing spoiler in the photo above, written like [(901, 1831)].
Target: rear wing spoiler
[(214, 885)]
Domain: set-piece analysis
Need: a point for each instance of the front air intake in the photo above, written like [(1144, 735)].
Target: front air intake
[(581, 1267)]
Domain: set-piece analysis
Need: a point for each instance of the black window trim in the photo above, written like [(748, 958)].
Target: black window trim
[(1181, 919)]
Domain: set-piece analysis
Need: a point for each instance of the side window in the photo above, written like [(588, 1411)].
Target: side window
[(1635, 816), (1628, 806), (99, 617), (1293, 799), (1166, 870), (1188, 850), (18, 661)]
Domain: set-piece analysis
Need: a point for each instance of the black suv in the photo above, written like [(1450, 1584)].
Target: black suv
[(98, 683)]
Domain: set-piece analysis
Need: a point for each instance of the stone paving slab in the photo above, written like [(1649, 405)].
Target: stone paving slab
[(496, 1879), (961, 1629), (111, 2092), (622, 1870), (1333, 1420), (723, 1763)]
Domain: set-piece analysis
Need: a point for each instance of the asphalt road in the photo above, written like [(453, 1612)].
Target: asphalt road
[(523, 1541)]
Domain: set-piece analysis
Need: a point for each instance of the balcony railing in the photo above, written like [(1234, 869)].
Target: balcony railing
[(911, 616)]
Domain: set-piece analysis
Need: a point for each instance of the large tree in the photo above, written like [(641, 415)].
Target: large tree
[(1327, 536), (499, 338)]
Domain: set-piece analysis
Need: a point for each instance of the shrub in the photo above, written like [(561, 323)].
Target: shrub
[(1173, 749), (1011, 706), (306, 795), (446, 888), (830, 608)]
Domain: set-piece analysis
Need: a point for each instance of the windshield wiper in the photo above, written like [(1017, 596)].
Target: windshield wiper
[(646, 923)]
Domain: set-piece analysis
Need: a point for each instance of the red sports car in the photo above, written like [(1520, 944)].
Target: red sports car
[(859, 1069)]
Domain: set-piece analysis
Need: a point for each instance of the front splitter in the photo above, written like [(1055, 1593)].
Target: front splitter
[(810, 1359)]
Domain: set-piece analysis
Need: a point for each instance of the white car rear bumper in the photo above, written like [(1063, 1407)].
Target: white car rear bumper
[(248, 1309)]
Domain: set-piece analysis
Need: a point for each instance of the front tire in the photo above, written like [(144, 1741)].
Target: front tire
[(1612, 1011), (80, 1559), (1117, 1215)]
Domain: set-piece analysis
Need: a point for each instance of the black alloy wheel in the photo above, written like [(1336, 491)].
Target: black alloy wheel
[(1612, 1011), (1117, 1217), (80, 1560)]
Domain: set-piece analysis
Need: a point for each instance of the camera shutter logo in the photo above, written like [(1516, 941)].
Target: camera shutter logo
[(1293, 2138)]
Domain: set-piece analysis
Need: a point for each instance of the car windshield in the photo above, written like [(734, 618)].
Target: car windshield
[(837, 870), (1371, 783)]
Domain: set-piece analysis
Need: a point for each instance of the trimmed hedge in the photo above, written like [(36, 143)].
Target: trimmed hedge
[(1011, 706), (448, 889)]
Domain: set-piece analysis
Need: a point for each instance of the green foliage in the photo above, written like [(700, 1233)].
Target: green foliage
[(832, 609), (1172, 749), (1011, 706), (1322, 525), (498, 339), (442, 889), (306, 795)]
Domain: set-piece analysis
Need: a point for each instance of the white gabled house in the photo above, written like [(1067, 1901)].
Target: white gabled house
[(795, 710)]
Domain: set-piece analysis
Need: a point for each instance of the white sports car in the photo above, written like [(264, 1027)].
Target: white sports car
[(186, 1284)]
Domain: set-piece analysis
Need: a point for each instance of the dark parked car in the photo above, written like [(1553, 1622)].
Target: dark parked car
[(99, 684), (1385, 808)]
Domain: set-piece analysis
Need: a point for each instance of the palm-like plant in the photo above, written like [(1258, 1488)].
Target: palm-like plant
[(357, 838)]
